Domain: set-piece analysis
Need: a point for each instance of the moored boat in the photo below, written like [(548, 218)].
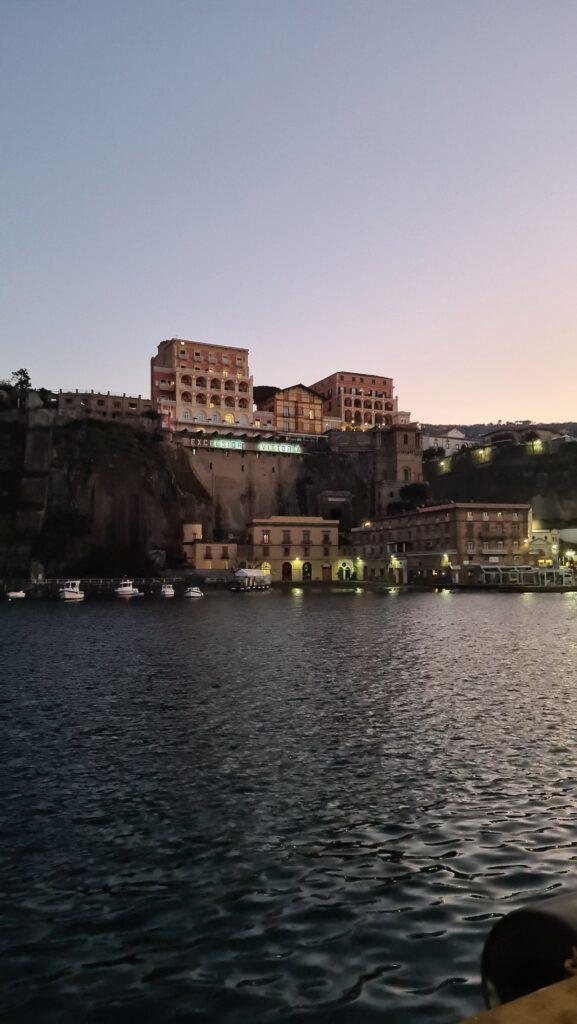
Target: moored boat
[(16, 595), (193, 592), (251, 579), (127, 589), (167, 590), (71, 591)]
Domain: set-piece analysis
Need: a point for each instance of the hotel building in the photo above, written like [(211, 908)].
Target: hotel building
[(442, 542), (361, 400), (295, 410), (193, 383)]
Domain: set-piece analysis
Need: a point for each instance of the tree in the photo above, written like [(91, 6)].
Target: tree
[(433, 453), (413, 495), (21, 383)]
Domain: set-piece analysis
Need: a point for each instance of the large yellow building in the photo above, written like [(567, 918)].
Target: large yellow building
[(297, 548)]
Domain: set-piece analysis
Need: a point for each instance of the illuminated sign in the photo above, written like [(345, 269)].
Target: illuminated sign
[(226, 442), (279, 447)]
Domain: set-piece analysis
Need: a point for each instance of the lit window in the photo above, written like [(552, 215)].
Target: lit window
[(485, 515)]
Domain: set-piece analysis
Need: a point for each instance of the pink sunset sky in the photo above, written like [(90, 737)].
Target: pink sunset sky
[(378, 186)]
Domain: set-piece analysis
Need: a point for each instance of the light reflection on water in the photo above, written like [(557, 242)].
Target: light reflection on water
[(282, 807)]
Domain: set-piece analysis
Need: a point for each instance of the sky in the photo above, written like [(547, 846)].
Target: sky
[(371, 185)]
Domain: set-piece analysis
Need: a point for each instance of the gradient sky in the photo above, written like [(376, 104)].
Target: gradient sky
[(365, 185)]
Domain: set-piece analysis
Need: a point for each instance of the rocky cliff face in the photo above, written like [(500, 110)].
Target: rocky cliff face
[(90, 497), (547, 481)]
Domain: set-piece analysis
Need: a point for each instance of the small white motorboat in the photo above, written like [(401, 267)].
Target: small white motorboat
[(167, 590), (193, 592), (127, 589), (16, 595), (71, 591)]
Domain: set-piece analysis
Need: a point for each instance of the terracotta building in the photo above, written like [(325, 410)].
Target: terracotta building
[(442, 542), (297, 548), (101, 405), (196, 383), (358, 399), (296, 409)]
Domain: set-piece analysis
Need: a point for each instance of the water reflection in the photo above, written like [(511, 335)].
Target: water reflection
[(272, 809)]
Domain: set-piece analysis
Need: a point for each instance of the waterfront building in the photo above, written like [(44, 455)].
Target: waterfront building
[(441, 542), (193, 383), (296, 409), (451, 440), (101, 405), (295, 548), (360, 400), (543, 547), (206, 555)]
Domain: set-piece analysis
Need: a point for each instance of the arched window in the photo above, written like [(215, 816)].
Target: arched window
[(229, 418), (242, 403), (378, 418), (186, 396), (200, 399), (406, 473), (215, 400), (229, 402), (358, 418), (368, 417), (367, 404), (243, 386), (186, 414), (201, 382), (200, 416), (215, 417), (229, 385), (307, 571), (215, 384), (378, 405), (388, 421), (186, 380), (389, 406), (348, 415), (358, 403), (348, 401), (243, 419)]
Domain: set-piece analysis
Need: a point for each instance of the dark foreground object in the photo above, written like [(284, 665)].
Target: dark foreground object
[(529, 949)]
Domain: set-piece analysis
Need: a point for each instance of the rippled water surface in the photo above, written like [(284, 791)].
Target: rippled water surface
[(278, 807)]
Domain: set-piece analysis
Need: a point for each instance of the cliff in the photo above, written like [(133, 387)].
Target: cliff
[(90, 497), (545, 479)]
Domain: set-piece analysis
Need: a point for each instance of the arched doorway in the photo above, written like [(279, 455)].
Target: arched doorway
[(287, 571), (307, 571), (344, 571)]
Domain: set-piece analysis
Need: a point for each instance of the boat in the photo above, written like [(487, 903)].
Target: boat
[(71, 591), (193, 592), (250, 579), (167, 590), (15, 595), (126, 589)]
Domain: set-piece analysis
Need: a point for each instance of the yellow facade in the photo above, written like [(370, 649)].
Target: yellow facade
[(295, 548)]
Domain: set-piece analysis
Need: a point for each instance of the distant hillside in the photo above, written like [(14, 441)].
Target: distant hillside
[(478, 429)]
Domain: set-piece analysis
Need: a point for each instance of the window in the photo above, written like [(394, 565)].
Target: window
[(182, 353), (224, 553), (469, 515), (286, 536), (239, 360), (100, 401), (285, 410), (208, 553), (405, 438), (197, 355), (132, 405), (515, 515), (266, 536), (311, 414), (485, 516), (286, 552), (470, 546), (326, 552), (211, 357), (225, 360), (341, 377), (326, 538), (306, 536)]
